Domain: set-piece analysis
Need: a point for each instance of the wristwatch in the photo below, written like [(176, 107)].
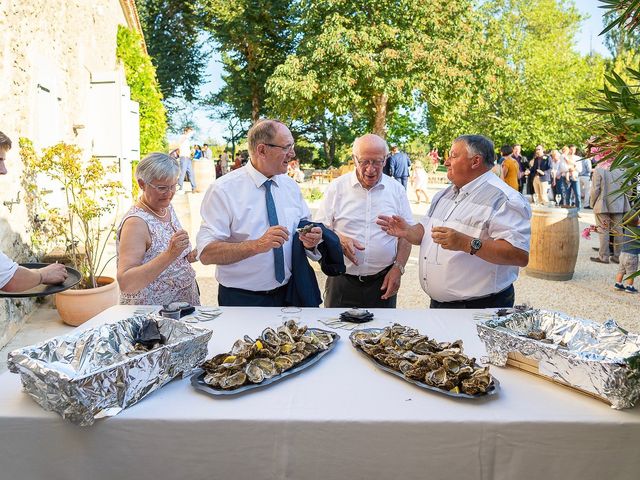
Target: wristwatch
[(399, 267), (476, 244)]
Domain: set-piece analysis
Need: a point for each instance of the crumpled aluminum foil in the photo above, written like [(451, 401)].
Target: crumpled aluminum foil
[(96, 373), (600, 358)]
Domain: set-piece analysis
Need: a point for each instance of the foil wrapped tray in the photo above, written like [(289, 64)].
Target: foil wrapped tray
[(98, 372), (599, 359)]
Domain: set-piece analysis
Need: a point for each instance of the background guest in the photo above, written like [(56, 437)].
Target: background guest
[(420, 182), (609, 205)]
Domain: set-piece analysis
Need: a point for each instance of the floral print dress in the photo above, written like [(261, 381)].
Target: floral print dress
[(177, 283)]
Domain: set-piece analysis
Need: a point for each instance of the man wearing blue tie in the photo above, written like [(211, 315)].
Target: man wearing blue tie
[(248, 217)]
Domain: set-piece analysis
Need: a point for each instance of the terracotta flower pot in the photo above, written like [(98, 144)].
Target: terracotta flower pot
[(77, 306)]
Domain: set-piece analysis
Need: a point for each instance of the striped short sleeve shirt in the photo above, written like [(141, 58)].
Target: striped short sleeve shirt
[(486, 208)]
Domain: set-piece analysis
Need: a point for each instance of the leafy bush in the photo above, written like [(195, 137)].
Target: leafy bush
[(311, 194), (86, 222), (141, 78)]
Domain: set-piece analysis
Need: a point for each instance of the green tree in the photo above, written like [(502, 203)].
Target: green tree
[(366, 60), (141, 78), (254, 37), (173, 31), (537, 80)]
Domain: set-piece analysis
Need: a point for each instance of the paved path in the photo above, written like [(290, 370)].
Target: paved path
[(589, 294)]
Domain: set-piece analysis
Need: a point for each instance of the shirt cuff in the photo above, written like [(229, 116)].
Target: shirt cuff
[(314, 254)]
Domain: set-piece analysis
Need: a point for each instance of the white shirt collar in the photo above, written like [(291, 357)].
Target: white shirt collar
[(475, 183), (257, 177), (356, 183)]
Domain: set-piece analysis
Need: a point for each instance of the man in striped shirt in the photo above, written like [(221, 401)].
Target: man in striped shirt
[(474, 237)]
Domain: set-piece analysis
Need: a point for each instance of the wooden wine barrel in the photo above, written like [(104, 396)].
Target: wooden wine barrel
[(205, 174), (555, 238)]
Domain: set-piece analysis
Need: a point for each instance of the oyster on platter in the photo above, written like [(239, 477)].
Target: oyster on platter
[(273, 353), (421, 360)]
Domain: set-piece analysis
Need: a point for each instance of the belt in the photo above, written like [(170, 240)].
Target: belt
[(260, 292), (370, 278), (485, 297)]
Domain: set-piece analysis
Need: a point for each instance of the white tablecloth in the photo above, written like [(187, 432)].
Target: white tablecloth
[(343, 418)]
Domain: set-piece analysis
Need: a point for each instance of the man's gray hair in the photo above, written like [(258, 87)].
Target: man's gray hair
[(263, 131), (479, 145), (371, 137), (157, 166)]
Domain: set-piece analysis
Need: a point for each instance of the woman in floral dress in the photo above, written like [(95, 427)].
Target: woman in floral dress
[(154, 252)]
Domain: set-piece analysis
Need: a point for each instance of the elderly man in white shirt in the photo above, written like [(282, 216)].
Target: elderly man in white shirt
[(248, 217), (351, 205), (475, 235)]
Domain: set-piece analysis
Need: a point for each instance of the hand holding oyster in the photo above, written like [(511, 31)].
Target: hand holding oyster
[(273, 353), (424, 361)]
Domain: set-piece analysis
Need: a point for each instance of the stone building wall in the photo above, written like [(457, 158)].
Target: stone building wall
[(49, 52)]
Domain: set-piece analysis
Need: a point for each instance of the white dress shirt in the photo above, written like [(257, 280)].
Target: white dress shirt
[(350, 209), (184, 145), (7, 269), (484, 208), (234, 210)]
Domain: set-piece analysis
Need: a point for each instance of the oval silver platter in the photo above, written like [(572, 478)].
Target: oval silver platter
[(493, 388), (197, 379)]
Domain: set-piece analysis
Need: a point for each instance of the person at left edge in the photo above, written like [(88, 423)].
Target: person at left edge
[(236, 234)]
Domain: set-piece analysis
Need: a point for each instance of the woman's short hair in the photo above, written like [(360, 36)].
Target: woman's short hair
[(5, 142), (157, 166)]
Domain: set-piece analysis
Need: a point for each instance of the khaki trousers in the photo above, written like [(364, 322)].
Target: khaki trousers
[(541, 190)]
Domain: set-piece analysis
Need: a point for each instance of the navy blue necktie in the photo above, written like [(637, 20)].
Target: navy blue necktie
[(278, 253)]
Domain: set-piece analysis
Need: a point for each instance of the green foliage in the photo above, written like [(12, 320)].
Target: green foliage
[(39, 229), (305, 153), (616, 111), (171, 31), (254, 37), (367, 60), (312, 194), (531, 90), (616, 116), (141, 78), (86, 223)]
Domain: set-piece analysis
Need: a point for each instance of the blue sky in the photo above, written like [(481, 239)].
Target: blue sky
[(587, 41)]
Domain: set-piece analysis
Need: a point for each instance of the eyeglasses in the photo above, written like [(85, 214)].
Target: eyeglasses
[(370, 163), (285, 149), (164, 188)]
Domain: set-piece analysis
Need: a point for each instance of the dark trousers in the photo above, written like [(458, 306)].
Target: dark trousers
[(503, 299), (561, 188), (403, 181), (350, 291), (237, 297)]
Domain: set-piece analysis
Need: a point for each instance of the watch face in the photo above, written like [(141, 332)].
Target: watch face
[(476, 244)]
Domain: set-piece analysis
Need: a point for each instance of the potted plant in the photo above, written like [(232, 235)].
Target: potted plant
[(81, 221)]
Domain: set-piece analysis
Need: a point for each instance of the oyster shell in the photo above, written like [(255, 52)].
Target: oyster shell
[(274, 352), (234, 380), (438, 364)]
